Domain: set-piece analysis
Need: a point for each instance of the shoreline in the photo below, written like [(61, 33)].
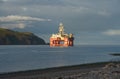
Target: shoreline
[(59, 67), (54, 72)]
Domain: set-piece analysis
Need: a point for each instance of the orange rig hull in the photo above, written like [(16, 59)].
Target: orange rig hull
[(64, 42), (61, 38)]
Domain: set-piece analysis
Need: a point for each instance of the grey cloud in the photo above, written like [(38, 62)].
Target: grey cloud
[(13, 25), (36, 2), (112, 32), (21, 18), (16, 21)]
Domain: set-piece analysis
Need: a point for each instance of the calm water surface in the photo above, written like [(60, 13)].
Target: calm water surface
[(28, 57)]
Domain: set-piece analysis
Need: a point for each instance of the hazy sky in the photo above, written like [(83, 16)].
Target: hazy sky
[(91, 21)]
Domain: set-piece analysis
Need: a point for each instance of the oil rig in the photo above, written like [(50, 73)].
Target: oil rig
[(61, 38)]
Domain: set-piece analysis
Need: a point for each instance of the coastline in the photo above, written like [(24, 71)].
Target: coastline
[(56, 72)]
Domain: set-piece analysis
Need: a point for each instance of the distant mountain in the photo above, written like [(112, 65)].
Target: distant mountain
[(9, 37)]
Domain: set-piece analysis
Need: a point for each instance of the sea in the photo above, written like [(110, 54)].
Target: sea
[(15, 58)]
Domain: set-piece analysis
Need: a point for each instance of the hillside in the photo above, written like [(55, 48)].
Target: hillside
[(9, 37)]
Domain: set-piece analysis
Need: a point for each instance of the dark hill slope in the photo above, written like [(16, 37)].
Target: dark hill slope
[(9, 37)]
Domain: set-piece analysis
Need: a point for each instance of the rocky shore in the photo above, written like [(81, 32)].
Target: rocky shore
[(88, 71), (110, 71)]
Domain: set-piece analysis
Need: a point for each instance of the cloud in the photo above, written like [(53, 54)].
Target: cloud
[(111, 32), (4, 0), (103, 13), (16, 21), (11, 26), (13, 18)]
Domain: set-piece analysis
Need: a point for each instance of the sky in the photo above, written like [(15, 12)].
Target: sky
[(93, 22)]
